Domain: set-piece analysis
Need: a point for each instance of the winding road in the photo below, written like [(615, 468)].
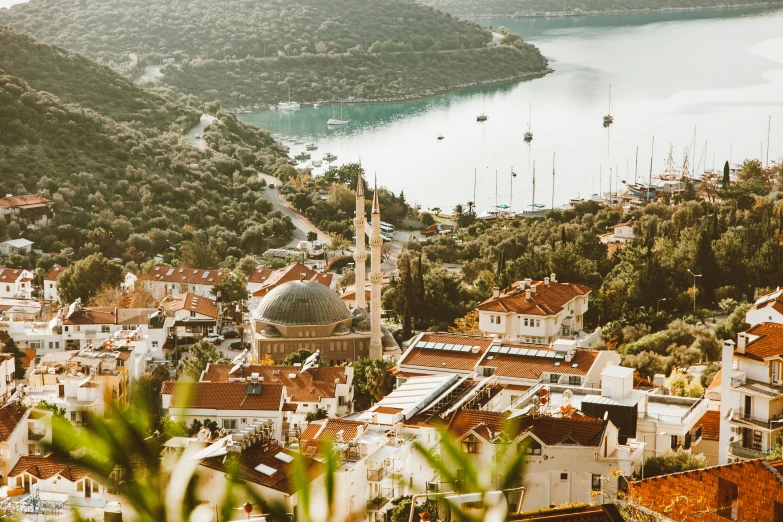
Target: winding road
[(302, 224), (198, 130)]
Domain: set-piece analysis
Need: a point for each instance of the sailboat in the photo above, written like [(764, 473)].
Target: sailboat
[(341, 121), (289, 105), (483, 116), (529, 133), (609, 119)]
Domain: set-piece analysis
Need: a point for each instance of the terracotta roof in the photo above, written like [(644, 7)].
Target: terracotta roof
[(49, 466), (716, 381), (427, 357), (351, 294), (290, 406), (710, 425), (524, 367), (772, 300), (10, 416), (24, 200), (387, 410), (223, 396), (29, 357), (260, 275), (194, 303), (295, 272), (309, 386), (578, 513), (54, 273), (8, 275), (547, 299), (193, 276), (516, 387), (326, 430), (485, 423), (94, 315), (579, 428), (325, 278), (259, 453), (765, 340)]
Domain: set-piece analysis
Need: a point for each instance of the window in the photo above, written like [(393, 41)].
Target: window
[(243, 421), (538, 323), (526, 321), (776, 365), (471, 444), (574, 380), (31, 449), (229, 424), (154, 344), (727, 498), (95, 487), (73, 416), (105, 328), (595, 483), (564, 476), (80, 486), (530, 446), (778, 512), (554, 377), (492, 319)]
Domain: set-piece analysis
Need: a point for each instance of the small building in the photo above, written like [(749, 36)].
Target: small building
[(232, 405), (191, 315), (80, 396), (537, 312), (50, 284), (7, 374), (15, 283), (19, 246), (745, 491), (766, 309), (709, 445), (161, 281), (622, 233), (23, 431), (31, 210), (82, 326), (58, 478)]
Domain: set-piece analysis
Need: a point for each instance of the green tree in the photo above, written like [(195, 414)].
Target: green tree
[(319, 413), (673, 461), (198, 253), (426, 219), (232, 292), (297, 357), (85, 278), (201, 354), (147, 388), (19, 355), (372, 380), (247, 265)]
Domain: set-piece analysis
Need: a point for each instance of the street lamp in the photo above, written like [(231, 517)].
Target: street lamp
[(694, 287), (644, 453), (635, 314), (658, 306)]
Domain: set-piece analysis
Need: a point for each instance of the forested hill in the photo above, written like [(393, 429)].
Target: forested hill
[(510, 8), (342, 42), (114, 159)]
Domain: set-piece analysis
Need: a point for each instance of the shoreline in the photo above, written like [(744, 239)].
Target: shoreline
[(563, 14)]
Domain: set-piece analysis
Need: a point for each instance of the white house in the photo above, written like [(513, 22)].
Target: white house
[(15, 283), (82, 325), (23, 431), (16, 246), (31, 210), (233, 405), (751, 407), (50, 284), (81, 397), (536, 312), (767, 309), (7, 375), (570, 456), (191, 315), (623, 232), (321, 387), (58, 478), (161, 281)]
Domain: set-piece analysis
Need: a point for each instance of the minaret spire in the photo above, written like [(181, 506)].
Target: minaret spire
[(376, 242), (360, 254)]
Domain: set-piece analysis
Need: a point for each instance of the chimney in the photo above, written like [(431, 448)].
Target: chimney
[(546, 281), (496, 292), (552, 278), (742, 340), (527, 294), (533, 289)]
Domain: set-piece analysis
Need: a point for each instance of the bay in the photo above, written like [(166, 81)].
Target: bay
[(709, 77)]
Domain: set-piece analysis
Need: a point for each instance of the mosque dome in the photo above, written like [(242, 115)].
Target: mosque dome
[(302, 303)]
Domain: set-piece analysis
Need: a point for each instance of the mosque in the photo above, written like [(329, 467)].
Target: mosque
[(306, 315)]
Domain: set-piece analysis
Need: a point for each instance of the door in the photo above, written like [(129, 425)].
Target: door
[(27, 483), (748, 406), (87, 488)]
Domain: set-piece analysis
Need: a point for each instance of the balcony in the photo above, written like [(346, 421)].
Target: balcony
[(36, 434), (376, 475), (738, 379), (775, 423), (738, 450), (696, 437), (379, 501)]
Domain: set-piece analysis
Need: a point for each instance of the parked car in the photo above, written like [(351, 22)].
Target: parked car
[(271, 185), (231, 334), (215, 338), (238, 346)]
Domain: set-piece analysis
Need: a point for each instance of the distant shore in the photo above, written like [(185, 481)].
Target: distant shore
[(560, 14)]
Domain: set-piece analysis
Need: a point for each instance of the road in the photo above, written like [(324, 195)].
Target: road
[(150, 74), (199, 143), (303, 226)]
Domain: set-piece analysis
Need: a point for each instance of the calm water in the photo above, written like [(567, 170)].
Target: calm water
[(715, 75)]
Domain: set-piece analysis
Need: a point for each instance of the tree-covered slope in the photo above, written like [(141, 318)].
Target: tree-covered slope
[(125, 188), (282, 40)]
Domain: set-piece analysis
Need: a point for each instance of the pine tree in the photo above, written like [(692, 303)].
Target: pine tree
[(726, 177)]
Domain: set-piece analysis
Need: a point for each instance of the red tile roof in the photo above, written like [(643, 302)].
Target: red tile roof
[(10, 275), (93, 315), (259, 453), (193, 276), (387, 410), (546, 300), (309, 386), (485, 423), (716, 381), (524, 367), (223, 396), (766, 340), (10, 417), (194, 303), (24, 201), (260, 275), (49, 466), (430, 358), (29, 357), (579, 428), (326, 430), (54, 273), (295, 272), (710, 425), (578, 513)]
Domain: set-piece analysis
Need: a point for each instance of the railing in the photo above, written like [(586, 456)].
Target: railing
[(379, 501), (376, 475), (738, 450), (36, 434), (775, 423), (738, 379)]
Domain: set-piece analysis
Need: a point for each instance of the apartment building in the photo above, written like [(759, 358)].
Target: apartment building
[(161, 281), (31, 210), (15, 283)]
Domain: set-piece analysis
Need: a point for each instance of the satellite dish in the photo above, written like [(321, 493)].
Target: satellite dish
[(567, 396), (544, 391)]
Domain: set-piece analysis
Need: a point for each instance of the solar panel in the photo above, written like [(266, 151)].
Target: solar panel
[(559, 355), (421, 344), (494, 349), (551, 355), (449, 347), (266, 470), (465, 348), (504, 349), (429, 345), (170, 271), (541, 353), (439, 346), (514, 351), (523, 351), (204, 275)]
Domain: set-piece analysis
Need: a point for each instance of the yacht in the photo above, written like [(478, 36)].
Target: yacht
[(335, 121), (289, 105), (311, 146), (329, 156)]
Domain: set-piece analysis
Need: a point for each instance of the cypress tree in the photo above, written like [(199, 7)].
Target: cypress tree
[(726, 177)]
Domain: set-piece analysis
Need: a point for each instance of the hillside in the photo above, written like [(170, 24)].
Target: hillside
[(510, 8), (113, 157), (284, 43)]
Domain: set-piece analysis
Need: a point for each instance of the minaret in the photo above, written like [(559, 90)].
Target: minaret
[(360, 255), (376, 242)]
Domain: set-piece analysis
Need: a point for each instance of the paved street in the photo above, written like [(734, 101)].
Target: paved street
[(199, 143)]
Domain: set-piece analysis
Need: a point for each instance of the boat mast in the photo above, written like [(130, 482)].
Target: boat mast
[(652, 155), (474, 186), (553, 181), (511, 195), (769, 129), (636, 170), (533, 206)]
